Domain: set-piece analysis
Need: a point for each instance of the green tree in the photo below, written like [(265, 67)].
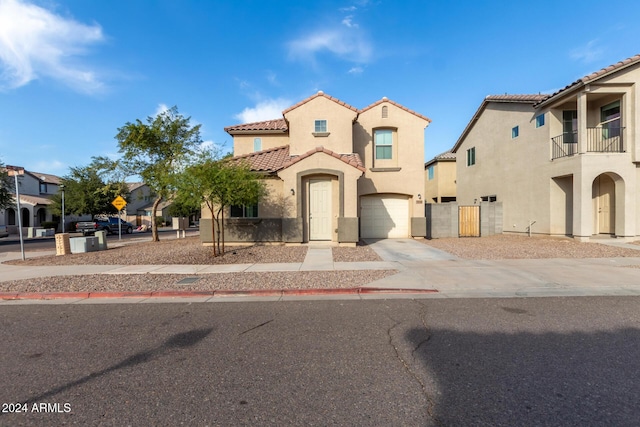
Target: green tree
[(89, 190), (158, 151), (6, 195), (218, 184)]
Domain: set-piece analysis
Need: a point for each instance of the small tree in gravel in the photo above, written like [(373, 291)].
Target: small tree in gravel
[(6, 198), (219, 184), (158, 151)]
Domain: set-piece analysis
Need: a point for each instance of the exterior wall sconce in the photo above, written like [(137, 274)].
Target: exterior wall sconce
[(419, 196), (293, 192)]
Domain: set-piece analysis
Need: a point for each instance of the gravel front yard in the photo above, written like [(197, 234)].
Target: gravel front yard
[(509, 246)]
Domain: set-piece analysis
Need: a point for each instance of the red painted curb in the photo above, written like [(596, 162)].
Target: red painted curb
[(7, 296)]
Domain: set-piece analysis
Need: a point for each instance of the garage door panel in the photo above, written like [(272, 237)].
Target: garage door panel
[(384, 217)]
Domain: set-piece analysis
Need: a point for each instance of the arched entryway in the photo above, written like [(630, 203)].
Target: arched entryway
[(26, 216), (41, 216), (11, 217), (604, 204)]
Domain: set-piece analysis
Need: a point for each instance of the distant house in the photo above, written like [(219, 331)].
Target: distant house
[(333, 173), (562, 164), (440, 178), (35, 189)]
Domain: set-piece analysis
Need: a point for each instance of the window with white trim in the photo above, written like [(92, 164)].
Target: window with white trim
[(257, 144), (320, 126), (383, 140)]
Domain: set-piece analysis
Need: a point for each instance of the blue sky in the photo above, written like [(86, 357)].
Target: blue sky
[(72, 72)]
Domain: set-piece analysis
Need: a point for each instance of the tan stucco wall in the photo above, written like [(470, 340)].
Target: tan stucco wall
[(302, 126), (556, 194), (408, 150), (443, 183), (243, 144)]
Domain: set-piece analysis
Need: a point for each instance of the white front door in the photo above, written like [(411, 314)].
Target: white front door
[(605, 200), (320, 210)]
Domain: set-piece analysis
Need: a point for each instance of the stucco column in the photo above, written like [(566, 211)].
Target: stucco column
[(582, 208), (582, 123)]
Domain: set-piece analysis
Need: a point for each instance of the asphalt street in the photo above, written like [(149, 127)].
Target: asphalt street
[(497, 362)]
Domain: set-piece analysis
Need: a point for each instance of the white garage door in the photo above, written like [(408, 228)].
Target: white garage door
[(384, 217)]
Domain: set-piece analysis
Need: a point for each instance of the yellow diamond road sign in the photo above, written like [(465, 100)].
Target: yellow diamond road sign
[(119, 203)]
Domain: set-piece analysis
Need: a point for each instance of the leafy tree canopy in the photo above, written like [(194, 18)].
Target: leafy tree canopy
[(6, 186), (88, 190), (158, 151)]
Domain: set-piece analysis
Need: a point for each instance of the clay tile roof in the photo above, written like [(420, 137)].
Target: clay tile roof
[(320, 94), (517, 98), (447, 156), (596, 75), (352, 159), (45, 177), (270, 160), (402, 107), (267, 125)]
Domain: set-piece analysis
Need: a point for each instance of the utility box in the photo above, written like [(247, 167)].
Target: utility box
[(83, 244), (180, 223), (63, 247), (102, 239)]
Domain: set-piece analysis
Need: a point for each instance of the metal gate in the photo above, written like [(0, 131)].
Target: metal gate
[(469, 221)]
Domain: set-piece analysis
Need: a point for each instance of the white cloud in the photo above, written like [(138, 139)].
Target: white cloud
[(348, 22), (347, 9), (54, 167), (346, 43), (587, 53), (356, 70), (36, 43), (264, 110), (160, 109)]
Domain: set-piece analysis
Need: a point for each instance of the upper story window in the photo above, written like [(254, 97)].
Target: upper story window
[(515, 131), (610, 120), (257, 144), (540, 120), (383, 139), (430, 173), (385, 112), (43, 187), (320, 128), (471, 156)]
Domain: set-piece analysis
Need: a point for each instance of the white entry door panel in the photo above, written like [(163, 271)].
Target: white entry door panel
[(320, 210)]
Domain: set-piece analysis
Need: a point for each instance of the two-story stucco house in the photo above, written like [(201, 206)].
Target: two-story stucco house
[(440, 178), (563, 164), (333, 173), (35, 189)]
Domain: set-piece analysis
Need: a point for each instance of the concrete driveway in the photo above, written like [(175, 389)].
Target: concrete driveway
[(423, 267)]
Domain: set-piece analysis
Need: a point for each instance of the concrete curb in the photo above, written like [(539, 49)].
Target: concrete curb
[(10, 296)]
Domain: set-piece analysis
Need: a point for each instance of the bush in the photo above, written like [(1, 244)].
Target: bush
[(159, 221), (50, 224)]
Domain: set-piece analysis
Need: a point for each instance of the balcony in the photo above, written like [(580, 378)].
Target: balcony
[(603, 139)]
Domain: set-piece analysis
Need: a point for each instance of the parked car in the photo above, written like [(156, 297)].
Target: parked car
[(110, 225), (4, 231)]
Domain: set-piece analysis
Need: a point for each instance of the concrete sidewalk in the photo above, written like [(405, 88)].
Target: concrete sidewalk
[(420, 268)]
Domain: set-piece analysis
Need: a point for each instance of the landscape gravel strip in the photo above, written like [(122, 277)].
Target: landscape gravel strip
[(506, 246), (206, 282)]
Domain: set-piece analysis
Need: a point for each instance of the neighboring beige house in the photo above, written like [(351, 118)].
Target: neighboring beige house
[(334, 173), (440, 178), (562, 164)]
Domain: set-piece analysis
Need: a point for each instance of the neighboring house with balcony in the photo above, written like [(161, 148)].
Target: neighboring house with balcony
[(562, 164), (440, 178), (333, 173)]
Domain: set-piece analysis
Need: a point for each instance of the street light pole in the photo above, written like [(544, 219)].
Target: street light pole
[(62, 188), (15, 172)]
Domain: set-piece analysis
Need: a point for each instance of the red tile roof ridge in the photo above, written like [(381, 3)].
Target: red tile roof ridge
[(596, 75), (517, 97), (352, 159), (272, 124), (402, 107), (316, 95), (255, 153)]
